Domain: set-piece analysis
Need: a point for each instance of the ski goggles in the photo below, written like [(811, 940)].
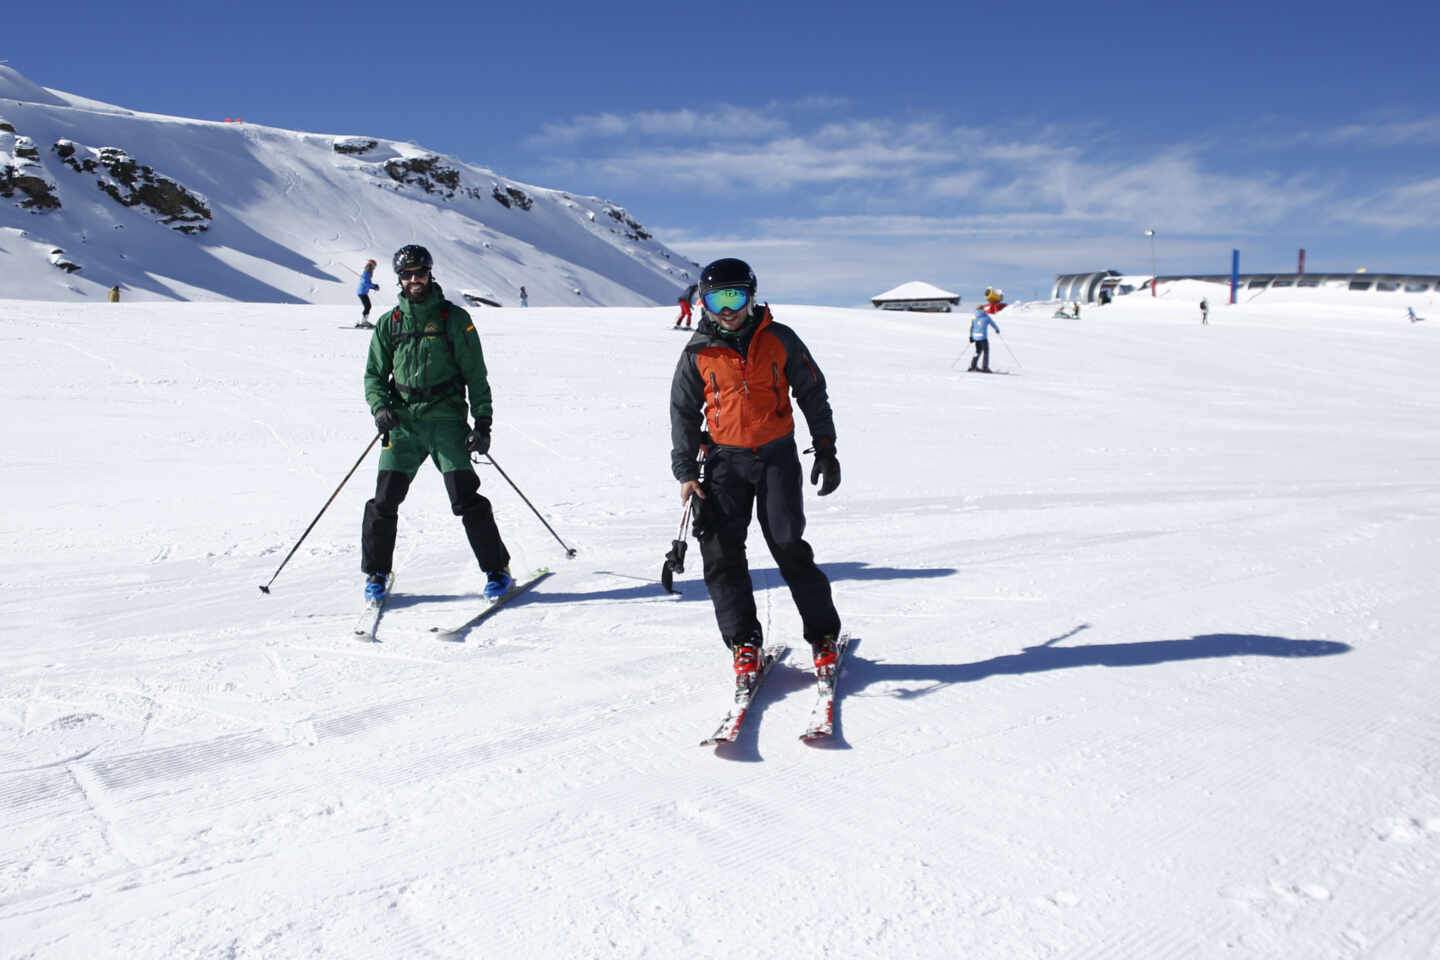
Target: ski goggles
[(414, 274), (730, 298)]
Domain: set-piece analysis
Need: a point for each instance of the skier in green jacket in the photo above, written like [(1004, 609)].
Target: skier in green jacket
[(424, 371)]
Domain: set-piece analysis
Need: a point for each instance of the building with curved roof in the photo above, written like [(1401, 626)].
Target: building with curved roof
[(1086, 287)]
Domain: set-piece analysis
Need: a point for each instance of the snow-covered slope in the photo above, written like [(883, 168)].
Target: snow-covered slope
[(1147, 666), (169, 208)]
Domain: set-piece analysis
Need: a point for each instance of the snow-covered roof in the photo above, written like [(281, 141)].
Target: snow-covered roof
[(915, 290)]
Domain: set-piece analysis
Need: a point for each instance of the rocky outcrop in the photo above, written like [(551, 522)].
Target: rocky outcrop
[(133, 184), (61, 261), (506, 196), (353, 146), (433, 175), (428, 173), (27, 180), (636, 232), (21, 174)]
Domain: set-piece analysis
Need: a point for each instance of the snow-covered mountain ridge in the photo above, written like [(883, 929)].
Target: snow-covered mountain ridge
[(172, 208)]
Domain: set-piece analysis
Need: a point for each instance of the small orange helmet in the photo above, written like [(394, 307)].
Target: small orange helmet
[(369, 263)]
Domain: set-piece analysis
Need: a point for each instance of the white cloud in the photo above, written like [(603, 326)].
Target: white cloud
[(1387, 133), (831, 208), (726, 123), (1411, 206)]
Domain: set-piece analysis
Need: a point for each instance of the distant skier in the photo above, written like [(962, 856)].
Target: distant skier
[(425, 356), (366, 285), (740, 369), (1204, 311), (1413, 318), (980, 325), (524, 297), (115, 296), (686, 299)]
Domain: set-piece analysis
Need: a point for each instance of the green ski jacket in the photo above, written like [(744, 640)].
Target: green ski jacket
[(425, 358)]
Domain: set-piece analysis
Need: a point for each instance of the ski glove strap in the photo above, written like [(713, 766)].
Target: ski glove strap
[(826, 470), (478, 439), (386, 420)]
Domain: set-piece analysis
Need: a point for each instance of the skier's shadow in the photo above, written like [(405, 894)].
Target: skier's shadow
[(1037, 659), (858, 673), (399, 601), (693, 589), (786, 678)]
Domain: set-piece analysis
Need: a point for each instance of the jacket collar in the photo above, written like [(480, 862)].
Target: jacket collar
[(433, 299), (707, 332)]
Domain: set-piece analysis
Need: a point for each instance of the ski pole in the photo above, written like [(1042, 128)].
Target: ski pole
[(1008, 350), (675, 559), (266, 587), (569, 550)]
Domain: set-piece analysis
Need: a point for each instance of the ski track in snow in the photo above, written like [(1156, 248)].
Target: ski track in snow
[(1146, 665)]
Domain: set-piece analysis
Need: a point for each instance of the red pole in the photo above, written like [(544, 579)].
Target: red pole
[(1302, 260)]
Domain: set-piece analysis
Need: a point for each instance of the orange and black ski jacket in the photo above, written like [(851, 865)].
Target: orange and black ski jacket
[(745, 399)]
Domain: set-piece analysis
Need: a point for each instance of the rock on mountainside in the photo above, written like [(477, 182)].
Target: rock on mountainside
[(171, 208)]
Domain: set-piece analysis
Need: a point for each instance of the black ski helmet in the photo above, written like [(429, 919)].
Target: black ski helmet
[(412, 256), (725, 274)]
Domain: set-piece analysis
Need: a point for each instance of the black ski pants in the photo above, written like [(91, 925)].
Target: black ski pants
[(982, 355), (769, 481), (377, 534)]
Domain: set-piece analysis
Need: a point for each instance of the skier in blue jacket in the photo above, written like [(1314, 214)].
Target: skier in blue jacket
[(978, 327), (363, 291)]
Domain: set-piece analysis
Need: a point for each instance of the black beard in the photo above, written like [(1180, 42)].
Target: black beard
[(424, 292)]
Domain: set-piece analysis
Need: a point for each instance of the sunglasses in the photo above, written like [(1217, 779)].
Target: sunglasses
[(731, 298), (413, 274)]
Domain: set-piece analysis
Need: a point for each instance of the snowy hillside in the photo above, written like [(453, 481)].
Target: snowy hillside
[(169, 208), (1147, 663)]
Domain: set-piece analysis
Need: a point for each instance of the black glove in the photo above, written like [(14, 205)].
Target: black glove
[(478, 440), (826, 466), (386, 420)]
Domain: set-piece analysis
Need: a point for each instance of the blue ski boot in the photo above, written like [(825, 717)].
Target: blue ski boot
[(375, 588), (498, 584)]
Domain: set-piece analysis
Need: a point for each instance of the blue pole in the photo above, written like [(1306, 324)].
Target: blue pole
[(1234, 273)]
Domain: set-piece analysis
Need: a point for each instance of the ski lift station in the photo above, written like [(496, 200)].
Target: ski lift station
[(1087, 287), (916, 295)]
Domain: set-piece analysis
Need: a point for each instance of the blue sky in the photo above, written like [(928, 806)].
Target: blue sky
[(843, 152)]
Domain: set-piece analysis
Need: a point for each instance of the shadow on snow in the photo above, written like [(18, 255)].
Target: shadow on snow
[(762, 579), (860, 673)]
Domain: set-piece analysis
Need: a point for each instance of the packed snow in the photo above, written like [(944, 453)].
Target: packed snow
[(1146, 662)]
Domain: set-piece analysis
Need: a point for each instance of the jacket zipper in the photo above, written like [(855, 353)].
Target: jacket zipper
[(715, 407)]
